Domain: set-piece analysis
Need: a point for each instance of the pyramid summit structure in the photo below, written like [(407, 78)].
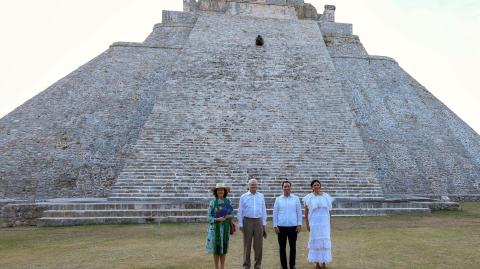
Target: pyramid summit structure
[(142, 131)]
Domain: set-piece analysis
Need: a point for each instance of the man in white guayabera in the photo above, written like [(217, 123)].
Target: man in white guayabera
[(287, 222), (252, 219)]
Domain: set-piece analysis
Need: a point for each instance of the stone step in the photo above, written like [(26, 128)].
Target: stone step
[(268, 200), (126, 206), (154, 196), (202, 191), (263, 187), (124, 213), (197, 212), (264, 191), (44, 222), (206, 187), (294, 170), (230, 178), (276, 175), (197, 185), (198, 181), (151, 217), (140, 182), (192, 196), (284, 152), (339, 203), (195, 176), (197, 196)]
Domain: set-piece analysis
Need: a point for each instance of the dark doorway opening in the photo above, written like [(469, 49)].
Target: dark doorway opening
[(259, 41)]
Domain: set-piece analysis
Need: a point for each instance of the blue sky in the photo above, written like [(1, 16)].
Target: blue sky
[(436, 41)]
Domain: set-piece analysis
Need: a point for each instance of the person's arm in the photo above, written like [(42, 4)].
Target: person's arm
[(299, 215), (231, 211), (330, 204), (240, 213), (264, 208), (211, 213), (275, 216), (306, 218)]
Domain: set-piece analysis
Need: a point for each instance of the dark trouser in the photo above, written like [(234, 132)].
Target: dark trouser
[(252, 232), (291, 234)]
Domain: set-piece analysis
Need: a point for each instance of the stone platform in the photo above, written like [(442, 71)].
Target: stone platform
[(194, 209)]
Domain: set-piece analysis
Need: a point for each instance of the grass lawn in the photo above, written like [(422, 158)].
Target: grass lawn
[(449, 239)]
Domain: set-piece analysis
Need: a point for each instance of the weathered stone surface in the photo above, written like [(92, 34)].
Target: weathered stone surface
[(282, 9), (71, 140), (261, 10), (344, 46), (262, 121), (329, 13), (178, 18), (416, 143), (335, 29), (306, 12), (15, 215)]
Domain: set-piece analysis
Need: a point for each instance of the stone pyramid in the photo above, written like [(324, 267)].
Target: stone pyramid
[(142, 131)]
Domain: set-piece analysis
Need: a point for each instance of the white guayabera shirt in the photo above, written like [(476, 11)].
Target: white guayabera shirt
[(287, 211), (252, 206)]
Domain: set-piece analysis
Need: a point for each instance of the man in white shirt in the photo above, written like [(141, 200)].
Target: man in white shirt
[(252, 219), (287, 222)]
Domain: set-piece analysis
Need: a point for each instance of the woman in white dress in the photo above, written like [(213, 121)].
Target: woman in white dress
[(318, 205)]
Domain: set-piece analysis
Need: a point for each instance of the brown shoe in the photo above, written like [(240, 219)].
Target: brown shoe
[(317, 266)]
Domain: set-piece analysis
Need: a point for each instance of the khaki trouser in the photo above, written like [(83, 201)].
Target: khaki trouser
[(252, 230)]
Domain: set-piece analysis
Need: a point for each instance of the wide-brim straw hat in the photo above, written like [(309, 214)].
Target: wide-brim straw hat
[(220, 186)]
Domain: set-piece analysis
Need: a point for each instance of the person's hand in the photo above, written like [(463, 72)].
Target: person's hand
[(277, 231), (221, 219), (299, 228), (308, 228)]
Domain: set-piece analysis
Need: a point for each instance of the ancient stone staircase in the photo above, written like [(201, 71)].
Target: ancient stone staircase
[(232, 110)]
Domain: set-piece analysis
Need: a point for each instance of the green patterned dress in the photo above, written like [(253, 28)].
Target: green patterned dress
[(218, 232)]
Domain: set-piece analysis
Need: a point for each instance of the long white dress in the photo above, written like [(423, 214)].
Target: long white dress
[(319, 245)]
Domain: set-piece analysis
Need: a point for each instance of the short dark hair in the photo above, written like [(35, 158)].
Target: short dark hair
[(216, 195), (313, 182), (286, 182)]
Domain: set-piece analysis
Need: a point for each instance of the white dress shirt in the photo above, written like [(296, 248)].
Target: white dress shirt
[(252, 206), (287, 211)]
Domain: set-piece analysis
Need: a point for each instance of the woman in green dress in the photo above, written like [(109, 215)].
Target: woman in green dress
[(220, 214)]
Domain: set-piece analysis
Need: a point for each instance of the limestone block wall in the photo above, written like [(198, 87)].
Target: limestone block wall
[(261, 10), (418, 146), (178, 18), (286, 9), (340, 45), (71, 139), (15, 215), (168, 36), (174, 30), (337, 29)]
